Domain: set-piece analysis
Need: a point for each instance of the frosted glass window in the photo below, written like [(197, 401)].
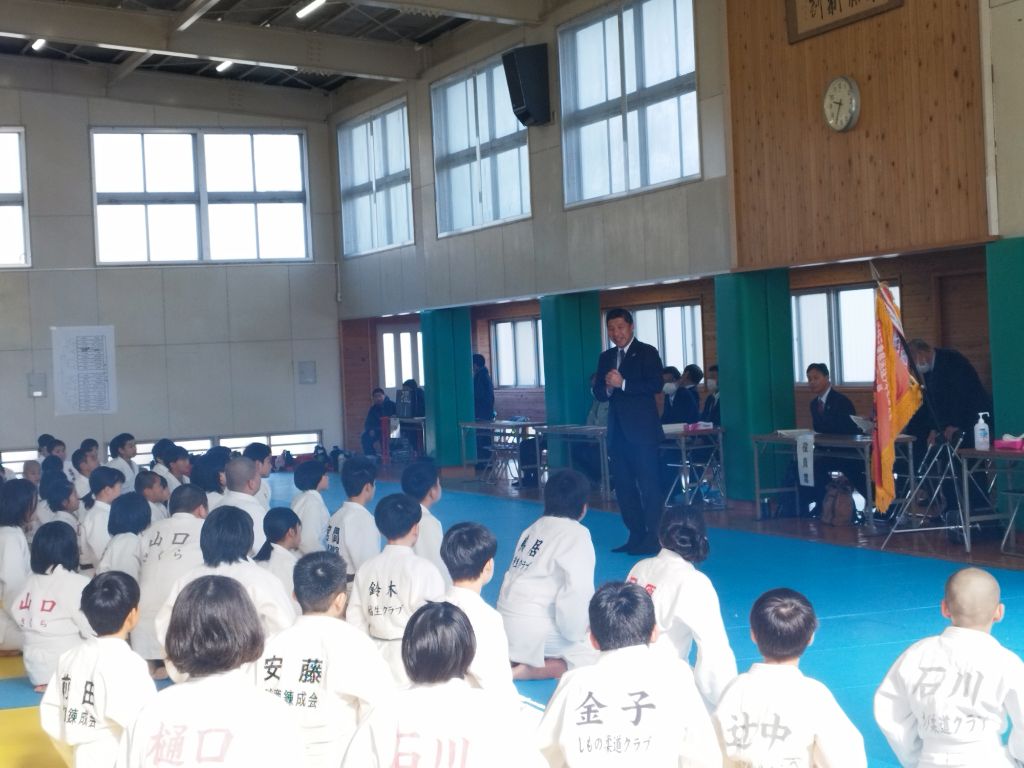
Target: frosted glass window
[(12, 244), (659, 142), (376, 181), (405, 344), (517, 353), (481, 162), (526, 353), (13, 208), (401, 355), (419, 355), (250, 205), (388, 348), (674, 329), (505, 357)]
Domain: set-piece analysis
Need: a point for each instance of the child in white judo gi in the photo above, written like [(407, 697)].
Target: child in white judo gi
[(311, 479), (155, 491), (468, 552), (47, 608), (686, 602), (389, 587), (243, 483), (17, 502), (947, 699), (773, 715), (260, 455), (329, 672), (422, 481), (104, 486), (170, 550), (100, 685), (635, 705), (352, 532), (83, 462), (129, 517), (441, 719), (548, 586), (283, 532), (122, 454), (58, 501), (218, 716)]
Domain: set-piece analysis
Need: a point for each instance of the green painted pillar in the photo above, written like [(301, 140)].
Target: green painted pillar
[(1005, 270), (755, 360), (571, 327), (448, 368)]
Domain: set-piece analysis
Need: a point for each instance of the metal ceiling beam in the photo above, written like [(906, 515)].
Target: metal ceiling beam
[(193, 13), (499, 11), (129, 65), (154, 32)]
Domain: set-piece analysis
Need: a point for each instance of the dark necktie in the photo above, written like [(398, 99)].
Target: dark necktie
[(618, 360), (821, 407)]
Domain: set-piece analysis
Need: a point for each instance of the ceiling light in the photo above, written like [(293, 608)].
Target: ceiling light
[(308, 9), (224, 66), (38, 44)]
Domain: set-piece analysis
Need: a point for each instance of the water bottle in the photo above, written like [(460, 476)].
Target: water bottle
[(981, 434), (704, 486), (766, 509)]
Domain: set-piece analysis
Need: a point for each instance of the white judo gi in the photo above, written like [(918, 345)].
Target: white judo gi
[(168, 476), (123, 553), (94, 696), (446, 724), (129, 469), (14, 572), (428, 544), (946, 701), (546, 593), (263, 494), (687, 609), (47, 609), (352, 533), (170, 550), (386, 592), (253, 509), (282, 566), (633, 706), (44, 515), (774, 716), (310, 507), (331, 674), (220, 719), (94, 538), (157, 512), (490, 668)]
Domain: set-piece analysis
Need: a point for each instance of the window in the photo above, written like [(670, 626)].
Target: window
[(299, 443), (401, 357), (833, 327), (13, 211), (376, 184), (14, 461), (618, 140), (517, 349), (204, 195), (481, 162), (675, 330)]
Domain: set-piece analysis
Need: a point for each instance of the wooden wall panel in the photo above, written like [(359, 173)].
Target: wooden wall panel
[(910, 176), (358, 340)]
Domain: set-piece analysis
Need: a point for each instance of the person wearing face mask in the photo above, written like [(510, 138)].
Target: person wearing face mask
[(711, 410), (680, 405), (953, 393)]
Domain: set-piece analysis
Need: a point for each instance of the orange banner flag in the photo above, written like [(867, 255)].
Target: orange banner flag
[(897, 394)]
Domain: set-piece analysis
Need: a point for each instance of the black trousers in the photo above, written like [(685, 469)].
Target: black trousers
[(635, 471)]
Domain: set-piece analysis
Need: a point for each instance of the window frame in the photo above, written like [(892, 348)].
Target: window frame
[(21, 198), (201, 197), (622, 105), (415, 354), (493, 147), (659, 344), (355, 122), (538, 351)]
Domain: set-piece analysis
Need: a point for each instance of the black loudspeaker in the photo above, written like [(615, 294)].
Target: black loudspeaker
[(526, 71)]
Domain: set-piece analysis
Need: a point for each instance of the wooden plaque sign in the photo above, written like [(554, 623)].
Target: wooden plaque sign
[(806, 18)]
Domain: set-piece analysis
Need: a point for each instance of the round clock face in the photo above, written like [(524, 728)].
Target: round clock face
[(841, 104)]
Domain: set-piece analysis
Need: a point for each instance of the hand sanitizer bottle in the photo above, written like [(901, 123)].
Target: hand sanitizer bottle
[(981, 435)]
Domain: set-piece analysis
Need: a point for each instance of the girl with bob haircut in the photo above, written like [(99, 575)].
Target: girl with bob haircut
[(130, 515), (311, 480), (47, 609), (17, 501), (218, 715), (284, 532), (122, 454), (441, 719), (685, 600), (58, 501), (105, 485)]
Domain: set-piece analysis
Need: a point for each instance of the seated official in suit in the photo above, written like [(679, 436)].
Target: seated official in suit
[(830, 414), (679, 406), (712, 410)]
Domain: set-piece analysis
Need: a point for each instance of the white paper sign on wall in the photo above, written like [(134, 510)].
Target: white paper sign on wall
[(84, 370)]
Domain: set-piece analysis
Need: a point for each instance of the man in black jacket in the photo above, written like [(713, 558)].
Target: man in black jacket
[(382, 407), (954, 395), (483, 408), (628, 377)]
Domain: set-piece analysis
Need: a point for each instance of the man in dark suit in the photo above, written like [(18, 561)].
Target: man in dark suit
[(954, 395), (628, 377), (483, 408), (712, 410), (678, 405), (830, 414)]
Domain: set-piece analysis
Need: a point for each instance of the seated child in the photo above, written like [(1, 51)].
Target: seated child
[(170, 549), (217, 716), (547, 588), (422, 481), (226, 539), (947, 698), (100, 685), (468, 552), (129, 517), (104, 486), (311, 480), (283, 530), (43, 513), (155, 491), (351, 531), (775, 698), (208, 475), (123, 450), (631, 690), (32, 471), (328, 671), (389, 587), (47, 608), (686, 602), (17, 502), (440, 719)]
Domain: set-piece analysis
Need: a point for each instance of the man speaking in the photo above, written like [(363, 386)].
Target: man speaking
[(628, 376)]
